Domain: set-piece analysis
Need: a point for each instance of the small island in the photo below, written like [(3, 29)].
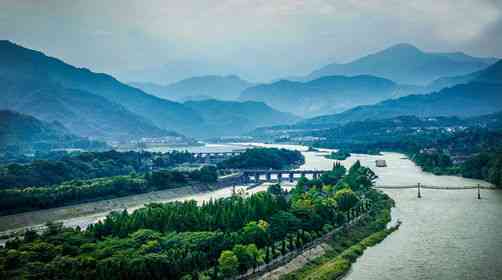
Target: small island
[(338, 155)]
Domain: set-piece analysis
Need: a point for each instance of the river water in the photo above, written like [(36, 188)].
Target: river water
[(445, 235)]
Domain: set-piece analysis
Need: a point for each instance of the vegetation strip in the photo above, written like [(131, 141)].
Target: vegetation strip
[(347, 247), (218, 239)]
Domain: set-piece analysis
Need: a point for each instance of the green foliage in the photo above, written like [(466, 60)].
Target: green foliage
[(346, 246), (346, 199), (339, 155), (486, 166), (275, 189), (264, 158), (88, 165), (179, 239), (228, 263), (19, 200), (334, 176)]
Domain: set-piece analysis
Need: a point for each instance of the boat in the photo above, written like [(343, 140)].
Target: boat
[(380, 163)]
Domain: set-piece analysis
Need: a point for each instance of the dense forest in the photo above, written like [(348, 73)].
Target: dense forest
[(182, 240), (442, 145), (60, 167), (17, 200), (264, 158)]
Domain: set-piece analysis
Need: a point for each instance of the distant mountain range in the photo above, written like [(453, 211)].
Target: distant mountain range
[(91, 104), (330, 94), (406, 64), (198, 88), (481, 95), (23, 133), (230, 118)]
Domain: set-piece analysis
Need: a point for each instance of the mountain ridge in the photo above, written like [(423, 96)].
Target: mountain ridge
[(212, 86), (482, 95), (406, 64), (326, 94)]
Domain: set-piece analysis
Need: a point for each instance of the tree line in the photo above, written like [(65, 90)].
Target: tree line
[(76, 191), (183, 240), (264, 158), (62, 167)]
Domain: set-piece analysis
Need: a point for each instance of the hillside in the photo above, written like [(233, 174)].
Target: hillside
[(464, 100), (23, 133), (327, 94), (230, 118), (197, 88), (492, 74), (20, 64), (81, 112), (406, 64), (481, 96)]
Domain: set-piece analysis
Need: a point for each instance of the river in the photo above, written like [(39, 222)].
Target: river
[(445, 234)]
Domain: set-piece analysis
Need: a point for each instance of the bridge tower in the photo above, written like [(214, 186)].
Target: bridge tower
[(479, 192), (419, 195)]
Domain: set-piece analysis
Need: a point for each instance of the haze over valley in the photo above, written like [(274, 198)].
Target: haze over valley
[(203, 140)]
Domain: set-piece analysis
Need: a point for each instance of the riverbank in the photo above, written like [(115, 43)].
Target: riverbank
[(335, 256), (83, 214)]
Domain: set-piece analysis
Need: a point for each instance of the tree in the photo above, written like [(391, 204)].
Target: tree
[(346, 199), (275, 189), (281, 223), (256, 232), (228, 263)]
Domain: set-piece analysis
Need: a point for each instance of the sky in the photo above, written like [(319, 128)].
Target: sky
[(166, 40)]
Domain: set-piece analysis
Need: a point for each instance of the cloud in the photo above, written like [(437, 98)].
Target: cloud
[(261, 39)]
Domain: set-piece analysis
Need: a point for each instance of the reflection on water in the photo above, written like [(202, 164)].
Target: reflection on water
[(444, 235)]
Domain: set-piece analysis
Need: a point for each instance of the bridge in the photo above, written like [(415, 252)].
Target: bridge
[(264, 175), (419, 187)]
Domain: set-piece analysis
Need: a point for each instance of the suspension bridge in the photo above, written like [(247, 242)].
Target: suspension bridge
[(259, 176)]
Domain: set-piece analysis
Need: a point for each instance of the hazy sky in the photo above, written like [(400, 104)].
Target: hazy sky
[(258, 40)]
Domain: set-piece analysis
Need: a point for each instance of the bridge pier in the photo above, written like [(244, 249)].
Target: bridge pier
[(279, 177), (268, 176), (257, 177), (291, 177)]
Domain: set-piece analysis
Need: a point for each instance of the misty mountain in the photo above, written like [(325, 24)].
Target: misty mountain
[(325, 95), (20, 64), (99, 106), (23, 133), (230, 118), (198, 88), (492, 74), (82, 112), (406, 64), (483, 95), (172, 71)]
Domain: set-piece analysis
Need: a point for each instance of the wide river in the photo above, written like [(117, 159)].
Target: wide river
[(445, 235)]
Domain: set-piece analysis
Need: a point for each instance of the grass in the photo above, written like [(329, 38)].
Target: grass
[(346, 247)]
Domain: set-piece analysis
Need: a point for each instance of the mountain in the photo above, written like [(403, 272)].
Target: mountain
[(83, 113), (482, 95), (406, 64), (172, 71), (202, 87), (329, 94), (23, 133), (20, 64), (492, 74), (230, 118)]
